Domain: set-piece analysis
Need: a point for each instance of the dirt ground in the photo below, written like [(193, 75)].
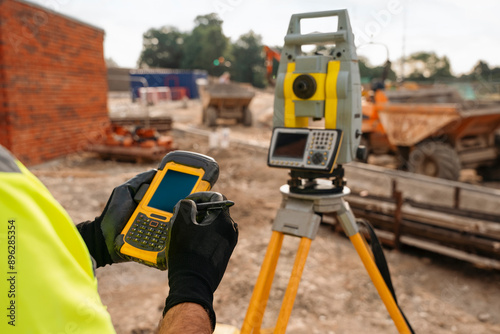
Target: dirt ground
[(438, 294)]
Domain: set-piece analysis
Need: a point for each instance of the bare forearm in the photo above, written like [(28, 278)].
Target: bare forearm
[(186, 318)]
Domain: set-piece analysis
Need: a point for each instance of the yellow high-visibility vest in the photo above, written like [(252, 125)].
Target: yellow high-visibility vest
[(47, 284)]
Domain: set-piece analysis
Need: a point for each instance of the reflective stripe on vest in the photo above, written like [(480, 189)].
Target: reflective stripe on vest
[(7, 162)]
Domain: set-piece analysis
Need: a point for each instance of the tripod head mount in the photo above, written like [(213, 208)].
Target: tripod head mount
[(305, 182)]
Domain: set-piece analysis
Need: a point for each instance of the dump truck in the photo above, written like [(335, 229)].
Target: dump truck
[(434, 131), (225, 101)]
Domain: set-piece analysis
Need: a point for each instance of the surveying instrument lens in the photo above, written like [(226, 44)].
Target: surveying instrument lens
[(304, 86)]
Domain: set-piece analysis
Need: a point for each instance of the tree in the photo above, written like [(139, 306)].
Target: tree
[(162, 48), (369, 73), (482, 70), (495, 74), (205, 44), (248, 61), (427, 66)]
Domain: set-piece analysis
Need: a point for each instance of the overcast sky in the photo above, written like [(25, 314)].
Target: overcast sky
[(463, 30)]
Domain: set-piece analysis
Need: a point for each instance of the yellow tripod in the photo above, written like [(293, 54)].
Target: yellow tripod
[(298, 217)]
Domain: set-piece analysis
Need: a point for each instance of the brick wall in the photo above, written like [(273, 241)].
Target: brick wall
[(53, 86)]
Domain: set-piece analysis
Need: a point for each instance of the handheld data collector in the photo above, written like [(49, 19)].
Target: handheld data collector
[(145, 237)]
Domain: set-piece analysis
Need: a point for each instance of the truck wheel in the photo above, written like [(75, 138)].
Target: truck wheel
[(211, 116), (247, 117), (435, 159)]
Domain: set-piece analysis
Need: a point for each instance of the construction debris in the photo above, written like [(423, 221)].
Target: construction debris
[(161, 123), (134, 143)]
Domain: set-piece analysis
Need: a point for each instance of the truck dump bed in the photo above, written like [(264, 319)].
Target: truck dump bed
[(413, 115), (226, 101), (225, 96)]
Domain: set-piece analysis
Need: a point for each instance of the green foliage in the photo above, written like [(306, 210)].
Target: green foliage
[(205, 44), (370, 73), (428, 66), (207, 48), (482, 72), (162, 48), (482, 69), (248, 61)]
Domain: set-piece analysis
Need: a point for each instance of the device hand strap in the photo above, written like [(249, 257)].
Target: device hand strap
[(200, 247), (381, 263)]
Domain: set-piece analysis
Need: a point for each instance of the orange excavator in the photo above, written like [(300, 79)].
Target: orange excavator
[(271, 55)]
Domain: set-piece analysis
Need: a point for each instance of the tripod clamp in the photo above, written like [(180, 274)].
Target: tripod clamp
[(299, 213)]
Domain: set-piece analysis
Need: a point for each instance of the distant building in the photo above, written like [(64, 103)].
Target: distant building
[(119, 79), (172, 78), (53, 84)]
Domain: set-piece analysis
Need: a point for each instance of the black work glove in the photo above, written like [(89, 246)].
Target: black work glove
[(199, 251), (100, 234)]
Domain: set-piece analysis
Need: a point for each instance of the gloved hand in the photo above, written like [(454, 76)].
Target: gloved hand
[(199, 251), (100, 234)]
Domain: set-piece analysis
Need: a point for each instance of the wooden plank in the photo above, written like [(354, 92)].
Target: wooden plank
[(418, 191), (450, 238), (377, 181), (474, 201), (485, 255), (373, 183), (492, 217), (464, 224), (480, 261)]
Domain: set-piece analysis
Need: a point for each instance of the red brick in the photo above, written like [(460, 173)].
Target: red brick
[(53, 88)]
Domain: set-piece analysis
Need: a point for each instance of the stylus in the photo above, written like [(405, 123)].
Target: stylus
[(214, 205)]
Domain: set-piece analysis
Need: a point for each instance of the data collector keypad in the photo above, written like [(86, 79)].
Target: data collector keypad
[(148, 234)]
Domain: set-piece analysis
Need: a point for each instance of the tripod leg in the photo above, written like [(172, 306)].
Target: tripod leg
[(348, 222), (378, 281), (293, 286), (260, 295)]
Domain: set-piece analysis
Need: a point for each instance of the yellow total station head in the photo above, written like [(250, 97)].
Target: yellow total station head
[(321, 86)]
